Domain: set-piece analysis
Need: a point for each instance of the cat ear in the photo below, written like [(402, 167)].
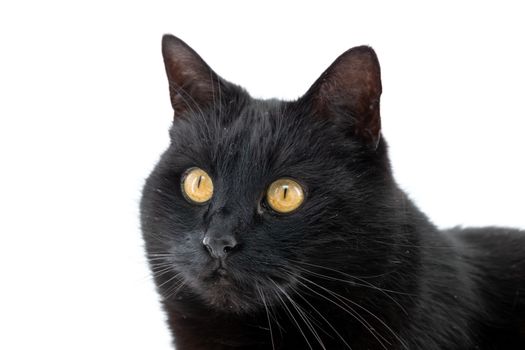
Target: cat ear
[(191, 81), (348, 92)]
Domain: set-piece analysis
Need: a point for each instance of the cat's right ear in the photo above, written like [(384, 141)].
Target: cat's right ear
[(348, 93), (192, 82)]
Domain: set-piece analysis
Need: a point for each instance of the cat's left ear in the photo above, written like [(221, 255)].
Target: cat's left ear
[(348, 93), (192, 82)]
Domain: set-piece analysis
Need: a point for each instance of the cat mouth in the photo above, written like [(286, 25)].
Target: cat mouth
[(220, 277), (221, 269), (224, 292)]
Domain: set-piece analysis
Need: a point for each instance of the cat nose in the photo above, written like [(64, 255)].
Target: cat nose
[(219, 247)]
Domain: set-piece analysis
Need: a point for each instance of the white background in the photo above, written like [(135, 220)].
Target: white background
[(84, 114)]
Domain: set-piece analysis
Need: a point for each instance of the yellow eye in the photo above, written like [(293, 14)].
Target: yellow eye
[(197, 185), (285, 195)]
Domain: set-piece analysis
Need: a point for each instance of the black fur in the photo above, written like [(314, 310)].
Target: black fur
[(358, 266)]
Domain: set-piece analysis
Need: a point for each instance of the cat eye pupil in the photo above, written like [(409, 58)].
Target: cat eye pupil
[(199, 183)]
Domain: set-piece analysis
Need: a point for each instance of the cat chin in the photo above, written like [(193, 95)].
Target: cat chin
[(231, 290), (223, 295), (227, 296), (229, 303)]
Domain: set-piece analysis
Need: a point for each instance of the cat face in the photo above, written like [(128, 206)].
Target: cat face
[(229, 244)]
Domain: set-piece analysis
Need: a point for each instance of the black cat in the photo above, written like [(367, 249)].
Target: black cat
[(278, 225)]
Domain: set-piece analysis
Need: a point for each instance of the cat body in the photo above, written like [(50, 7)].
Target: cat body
[(355, 266)]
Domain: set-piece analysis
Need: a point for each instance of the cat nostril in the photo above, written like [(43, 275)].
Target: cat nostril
[(219, 247)]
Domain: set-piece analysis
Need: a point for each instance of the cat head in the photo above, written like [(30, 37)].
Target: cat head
[(254, 195)]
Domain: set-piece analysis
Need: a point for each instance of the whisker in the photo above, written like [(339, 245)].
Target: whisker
[(348, 308), (160, 254), (361, 307), (303, 315), (177, 275), (174, 290), (351, 312), (349, 276), (267, 315), (363, 284), (324, 319), (156, 258), (162, 272), (292, 316)]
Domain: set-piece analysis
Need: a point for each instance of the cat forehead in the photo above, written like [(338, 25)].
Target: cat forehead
[(248, 122), (258, 133), (262, 113)]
